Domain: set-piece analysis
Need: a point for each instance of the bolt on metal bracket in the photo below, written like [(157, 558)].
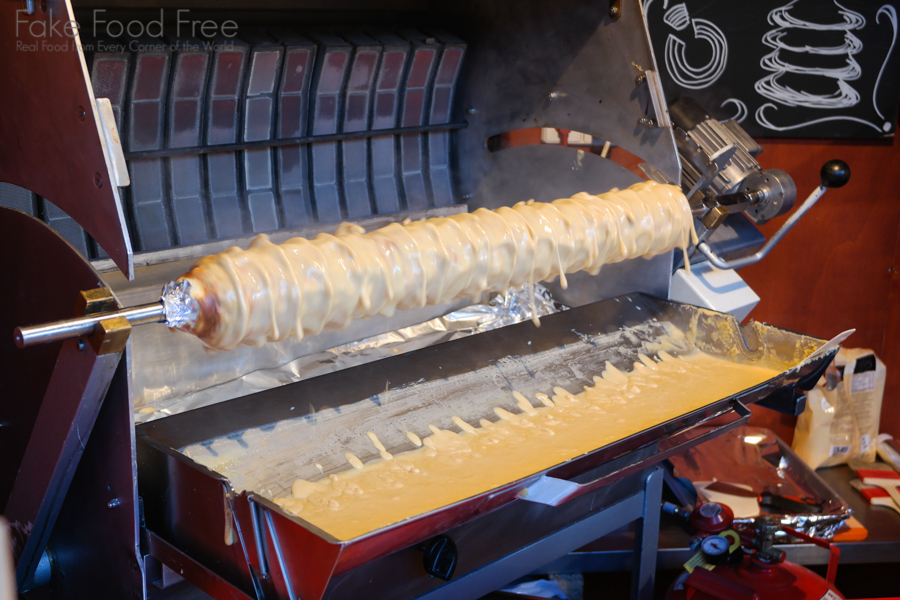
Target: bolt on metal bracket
[(615, 9)]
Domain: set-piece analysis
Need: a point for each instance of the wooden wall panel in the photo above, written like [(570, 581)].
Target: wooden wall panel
[(890, 354), (837, 269)]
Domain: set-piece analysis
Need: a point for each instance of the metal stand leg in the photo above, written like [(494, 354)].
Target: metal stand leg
[(646, 538)]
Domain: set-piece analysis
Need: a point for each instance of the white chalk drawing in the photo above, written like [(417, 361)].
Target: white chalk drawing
[(677, 17), (770, 87), (762, 120), (685, 75), (851, 45), (849, 72), (647, 4), (845, 96), (782, 18), (742, 111), (891, 13)]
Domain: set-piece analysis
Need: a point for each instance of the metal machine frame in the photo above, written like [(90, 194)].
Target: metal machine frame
[(532, 64)]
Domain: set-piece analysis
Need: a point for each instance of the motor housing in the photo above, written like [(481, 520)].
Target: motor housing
[(719, 171)]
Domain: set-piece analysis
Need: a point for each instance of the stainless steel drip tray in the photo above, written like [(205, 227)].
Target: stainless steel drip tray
[(207, 476)]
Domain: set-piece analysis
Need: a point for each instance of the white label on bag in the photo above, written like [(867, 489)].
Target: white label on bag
[(862, 382), (829, 595), (839, 450), (865, 443)]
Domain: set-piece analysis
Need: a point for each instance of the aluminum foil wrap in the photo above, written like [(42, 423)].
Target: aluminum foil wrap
[(758, 459), (504, 309), (181, 308)]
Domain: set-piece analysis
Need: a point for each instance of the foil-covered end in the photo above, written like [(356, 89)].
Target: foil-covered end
[(526, 304), (180, 306)]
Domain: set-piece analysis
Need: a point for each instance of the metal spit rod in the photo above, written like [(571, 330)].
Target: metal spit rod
[(72, 328)]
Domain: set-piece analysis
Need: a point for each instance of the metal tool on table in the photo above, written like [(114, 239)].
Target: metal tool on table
[(789, 504)]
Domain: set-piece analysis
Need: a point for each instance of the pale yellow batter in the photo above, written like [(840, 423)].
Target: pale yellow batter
[(453, 465), (271, 292)]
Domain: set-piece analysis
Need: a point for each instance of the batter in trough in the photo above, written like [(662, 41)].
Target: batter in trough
[(470, 458)]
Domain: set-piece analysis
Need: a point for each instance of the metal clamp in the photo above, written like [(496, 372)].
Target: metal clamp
[(653, 83), (834, 173)]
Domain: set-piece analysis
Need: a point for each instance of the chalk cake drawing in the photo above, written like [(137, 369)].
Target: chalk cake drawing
[(770, 87), (846, 95)]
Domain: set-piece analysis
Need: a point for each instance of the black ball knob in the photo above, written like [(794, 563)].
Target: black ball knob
[(835, 174)]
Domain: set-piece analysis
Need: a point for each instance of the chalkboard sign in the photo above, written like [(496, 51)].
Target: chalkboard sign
[(782, 68)]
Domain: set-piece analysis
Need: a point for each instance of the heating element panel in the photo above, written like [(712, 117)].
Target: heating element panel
[(269, 84)]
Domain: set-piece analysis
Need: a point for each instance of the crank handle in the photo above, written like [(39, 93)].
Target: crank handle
[(834, 173)]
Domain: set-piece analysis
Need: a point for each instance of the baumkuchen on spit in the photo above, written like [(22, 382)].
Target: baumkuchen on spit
[(270, 292)]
